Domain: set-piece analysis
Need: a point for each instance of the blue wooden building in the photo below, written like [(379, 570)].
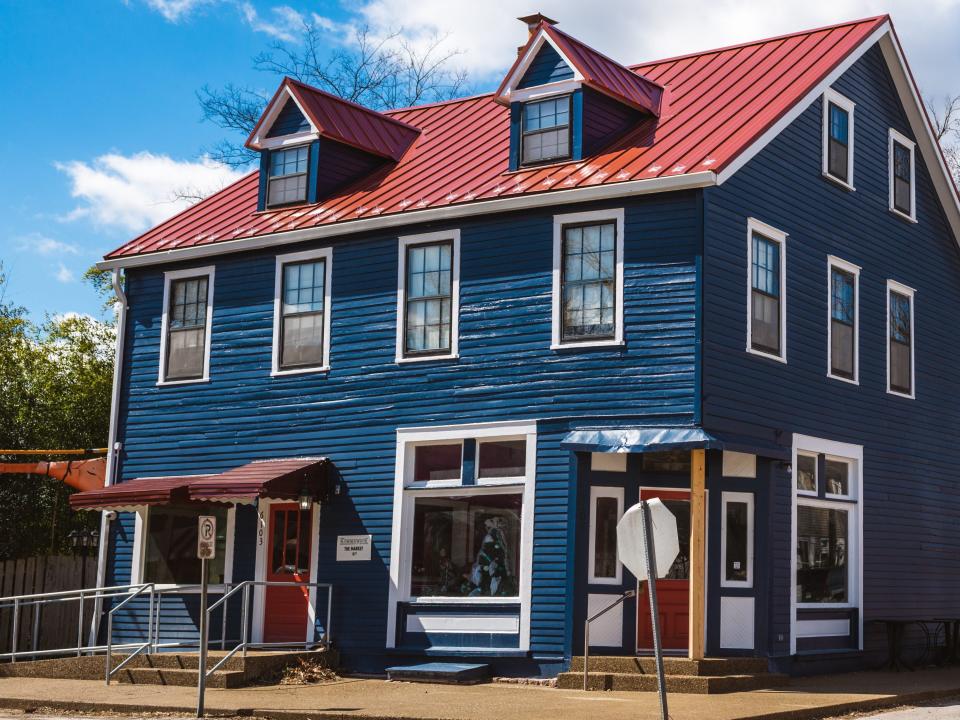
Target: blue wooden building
[(429, 356)]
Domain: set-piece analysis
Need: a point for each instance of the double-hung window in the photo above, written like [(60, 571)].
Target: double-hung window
[(766, 334), (546, 130), (902, 194), (900, 355), (185, 332), (588, 278), (428, 298), (287, 181), (838, 138), (301, 332), (843, 327)]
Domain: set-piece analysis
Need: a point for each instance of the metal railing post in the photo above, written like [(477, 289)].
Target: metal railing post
[(16, 630), (80, 626), (586, 631), (223, 622), (326, 632), (35, 634), (109, 657), (244, 630), (150, 622)]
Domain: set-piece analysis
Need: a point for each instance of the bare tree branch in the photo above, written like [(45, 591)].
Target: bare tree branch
[(945, 114)]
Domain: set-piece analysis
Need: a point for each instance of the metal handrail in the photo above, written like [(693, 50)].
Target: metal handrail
[(109, 673), (586, 631)]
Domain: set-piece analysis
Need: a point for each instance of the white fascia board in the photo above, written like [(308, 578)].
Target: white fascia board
[(484, 207)]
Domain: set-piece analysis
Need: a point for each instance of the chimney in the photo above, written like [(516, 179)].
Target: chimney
[(532, 22)]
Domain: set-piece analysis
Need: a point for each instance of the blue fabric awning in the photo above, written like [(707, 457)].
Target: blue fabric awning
[(653, 439)]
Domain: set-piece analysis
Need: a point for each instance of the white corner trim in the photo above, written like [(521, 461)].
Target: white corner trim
[(168, 277), (832, 96), (746, 498), (897, 137), (779, 237), (325, 254), (405, 242), (595, 216), (901, 289), (509, 90), (835, 262), (597, 492)]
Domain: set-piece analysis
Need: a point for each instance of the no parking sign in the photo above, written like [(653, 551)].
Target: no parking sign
[(206, 537)]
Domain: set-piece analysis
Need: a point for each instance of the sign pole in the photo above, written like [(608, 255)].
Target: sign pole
[(206, 551), (650, 560)]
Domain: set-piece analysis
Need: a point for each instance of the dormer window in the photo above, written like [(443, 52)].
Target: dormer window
[(546, 130), (288, 176)]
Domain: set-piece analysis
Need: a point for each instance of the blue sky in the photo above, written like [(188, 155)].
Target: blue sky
[(101, 122)]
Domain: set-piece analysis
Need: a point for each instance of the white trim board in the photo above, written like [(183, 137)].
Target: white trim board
[(510, 92), (325, 254), (911, 146), (832, 96), (895, 287), (168, 277), (726, 497), (854, 270), (597, 492), (772, 234)]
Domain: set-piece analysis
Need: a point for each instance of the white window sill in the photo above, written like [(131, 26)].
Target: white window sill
[(903, 215), (769, 356), (735, 584), (300, 371), (838, 182), (604, 581), (168, 383), (911, 396), (827, 606), (427, 358), (808, 493), (463, 600), (588, 344), (849, 381)]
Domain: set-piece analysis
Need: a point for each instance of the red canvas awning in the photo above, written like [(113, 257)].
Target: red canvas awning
[(282, 479)]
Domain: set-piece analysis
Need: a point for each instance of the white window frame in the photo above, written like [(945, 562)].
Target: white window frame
[(168, 277), (325, 254), (404, 242), (138, 567), (851, 493), (832, 96), (597, 492), (616, 215), (405, 491), (496, 480), (778, 236), (835, 262), (900, 288), (727, 497), (854, 507), (816, 477), (895, 136)]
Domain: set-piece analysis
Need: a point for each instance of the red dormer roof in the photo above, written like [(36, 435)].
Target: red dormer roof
[(341, 120)]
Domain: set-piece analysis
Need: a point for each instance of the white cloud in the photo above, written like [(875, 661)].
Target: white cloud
[(64, 274), (134, 192), (176, 10), (285, 23), (43, 245)]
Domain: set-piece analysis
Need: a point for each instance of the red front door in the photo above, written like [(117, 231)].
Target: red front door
[(288, 560), (673, 591)]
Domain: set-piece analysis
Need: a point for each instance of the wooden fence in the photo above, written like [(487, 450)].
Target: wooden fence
[(51, 626)]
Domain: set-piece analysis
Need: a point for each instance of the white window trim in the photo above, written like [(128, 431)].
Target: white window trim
[(895, 136), (835, 262), (168, 277), (807, 493), (406, 241), (403, 496), (137, 569), (597, 216), (778, 236), (597, 492), (900, 288), (493, 481), (854, 454), (725, 498), (325, 254), (851, 495), (832, 96), (513, 94), (410, 459)]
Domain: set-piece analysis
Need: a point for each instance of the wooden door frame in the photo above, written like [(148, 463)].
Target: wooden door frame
[(260, 574)]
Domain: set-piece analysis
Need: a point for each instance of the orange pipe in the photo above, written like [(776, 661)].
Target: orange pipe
[(78, 474)]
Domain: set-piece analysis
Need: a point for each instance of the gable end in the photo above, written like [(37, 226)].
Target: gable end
[(289, 121), (546, 67)]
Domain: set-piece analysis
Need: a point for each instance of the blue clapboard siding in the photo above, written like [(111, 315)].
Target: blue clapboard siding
[(912, 501), (506, 371), (546, 67), (289, 121), (604, 121)]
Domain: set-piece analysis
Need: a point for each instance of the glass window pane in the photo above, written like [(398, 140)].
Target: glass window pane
[(437, 462), (428, 297), (171, 545), (735, 522), (765, 323), (502, 458), (302, 340), (900, 343), (841, 349), (466, 546), (605, 537), (589, 281), (837, 477), (822, 546), (185, 353), (807, 473)]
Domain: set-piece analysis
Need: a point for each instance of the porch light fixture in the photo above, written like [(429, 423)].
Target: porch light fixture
[(306, 499)]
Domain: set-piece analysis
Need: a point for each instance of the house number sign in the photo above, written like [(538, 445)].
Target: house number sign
[(353, 547)]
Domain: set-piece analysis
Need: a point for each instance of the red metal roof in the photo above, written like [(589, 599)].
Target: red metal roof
[(719, 102), (346, 122), (133, 493)]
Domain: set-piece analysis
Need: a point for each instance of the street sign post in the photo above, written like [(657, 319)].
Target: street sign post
[(206, 551), (648, 543)]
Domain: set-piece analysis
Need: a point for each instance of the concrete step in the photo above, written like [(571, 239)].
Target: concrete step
[(672, 665), (685, 684), (180, 677)]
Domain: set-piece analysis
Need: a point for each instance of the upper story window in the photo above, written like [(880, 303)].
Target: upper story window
[(843, 328), (301, 341), (185, 332), (902, 194), (546, 130), (838, 138), (900, 369), (428, 301), (287, 182), (766, 310), (588, 278)]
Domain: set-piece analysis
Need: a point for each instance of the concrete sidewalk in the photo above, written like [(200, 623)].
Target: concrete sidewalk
[(377, 699)]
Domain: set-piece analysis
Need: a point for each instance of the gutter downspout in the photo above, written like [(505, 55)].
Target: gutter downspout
[(113, 449)]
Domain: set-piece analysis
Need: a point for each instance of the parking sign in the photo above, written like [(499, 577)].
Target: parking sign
[(206, 537)]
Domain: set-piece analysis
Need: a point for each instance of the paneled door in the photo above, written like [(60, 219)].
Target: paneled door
[(673, 591), (288, 560)]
